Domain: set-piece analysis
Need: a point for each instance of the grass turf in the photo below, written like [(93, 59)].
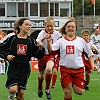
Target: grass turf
[(57, 93)]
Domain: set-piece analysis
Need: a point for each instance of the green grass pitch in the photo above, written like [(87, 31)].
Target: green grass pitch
[(57, 93)]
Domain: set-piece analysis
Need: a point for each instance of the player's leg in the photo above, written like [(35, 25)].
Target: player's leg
[(3, 66), (68, 92), (40, 83), (54, 77), (11, 92), (49, 66), (0, 67), (20, 94), (87, 80)]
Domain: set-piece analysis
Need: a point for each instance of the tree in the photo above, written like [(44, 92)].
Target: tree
[(88, 7)]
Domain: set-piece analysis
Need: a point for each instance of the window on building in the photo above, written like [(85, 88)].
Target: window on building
[(2, 9), (22, 9), (34, 9), (52, 9), (11, 10), (56, 9), (64, 9), (44, 9)]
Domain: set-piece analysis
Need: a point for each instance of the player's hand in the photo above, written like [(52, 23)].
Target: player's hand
[(47, 36), (39, 43), (10, 57), (95, 68)]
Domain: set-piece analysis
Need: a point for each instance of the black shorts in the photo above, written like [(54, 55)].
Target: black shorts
[(18, 74)]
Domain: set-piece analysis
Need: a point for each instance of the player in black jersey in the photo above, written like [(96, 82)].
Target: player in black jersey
[(18, 49)]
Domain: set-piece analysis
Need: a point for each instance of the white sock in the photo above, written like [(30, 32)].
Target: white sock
[(11, 96), (0, 68), (3, 67)]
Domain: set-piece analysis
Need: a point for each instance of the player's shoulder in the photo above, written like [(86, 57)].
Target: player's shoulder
[(41, 32)]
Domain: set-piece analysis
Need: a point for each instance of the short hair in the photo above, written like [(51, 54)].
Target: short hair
[(16, 25), (49, 19), (85, 31)]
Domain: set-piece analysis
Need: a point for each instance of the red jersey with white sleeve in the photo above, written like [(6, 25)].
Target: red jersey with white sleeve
[(55, 35), (71, 51)]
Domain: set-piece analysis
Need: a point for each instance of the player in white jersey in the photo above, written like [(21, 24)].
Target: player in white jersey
[(95, 39), (47, 62), (86, 35), (71, 63)]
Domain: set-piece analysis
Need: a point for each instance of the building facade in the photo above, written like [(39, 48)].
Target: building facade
[(36, 11)]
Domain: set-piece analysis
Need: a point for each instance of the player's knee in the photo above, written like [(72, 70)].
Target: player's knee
[(12, 90), (79, 92)]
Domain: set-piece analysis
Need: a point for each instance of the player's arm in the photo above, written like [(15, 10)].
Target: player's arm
[(4, 48), (95, 50), (37, 50), (91, 61)]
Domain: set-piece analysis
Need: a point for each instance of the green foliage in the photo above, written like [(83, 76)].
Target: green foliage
[(88, 7)]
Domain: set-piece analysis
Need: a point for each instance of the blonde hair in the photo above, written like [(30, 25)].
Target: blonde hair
[(85, 31), (16, 25), (62, 29), (49, 19)]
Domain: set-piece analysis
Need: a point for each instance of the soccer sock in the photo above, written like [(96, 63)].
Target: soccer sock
[(54, 77), (3, 67), (0, 68), (40, 81), (48, 80), (11, 96), (86, 83), (67, 98), (19, 99)]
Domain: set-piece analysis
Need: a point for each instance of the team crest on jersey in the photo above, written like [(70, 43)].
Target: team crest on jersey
[(70, 49), (21, 49)]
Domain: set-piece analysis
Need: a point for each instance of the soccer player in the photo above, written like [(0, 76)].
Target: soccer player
[(86, 36), (5, 38), (2, 61), (55, 70), (47, 62), (71, 63), (18, 49), (95, 39), (10, 34)]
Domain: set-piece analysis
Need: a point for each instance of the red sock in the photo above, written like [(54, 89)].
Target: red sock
[(40, 81), (54, 77), (67, 98), (48, 80), (17, 99)]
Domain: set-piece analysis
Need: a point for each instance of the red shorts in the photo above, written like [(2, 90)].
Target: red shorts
[(42, 62), (88, 66), (74, 76)]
